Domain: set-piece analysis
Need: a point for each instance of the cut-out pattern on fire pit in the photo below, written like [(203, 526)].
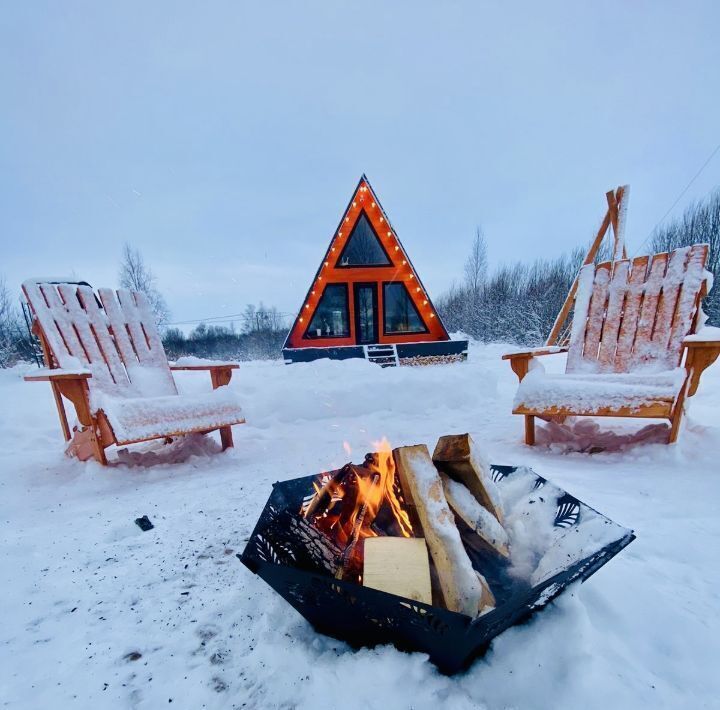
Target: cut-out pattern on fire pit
[(300, 564)]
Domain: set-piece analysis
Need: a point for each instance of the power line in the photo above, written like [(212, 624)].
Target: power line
[(679, 197)]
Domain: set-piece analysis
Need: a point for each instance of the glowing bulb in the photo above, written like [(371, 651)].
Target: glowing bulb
[(347, 219), (301, 320), (307, 306), (381, 219), (424, 302), (417, 289), (404, 262), (389, 234), (372, 204), (412, 276), (432, 315), (396, 248), (313, 293), (354, 203), (339, 234), (326, 263), (319, 278)]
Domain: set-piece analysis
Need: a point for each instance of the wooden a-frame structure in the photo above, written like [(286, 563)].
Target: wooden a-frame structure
[(367, 299)]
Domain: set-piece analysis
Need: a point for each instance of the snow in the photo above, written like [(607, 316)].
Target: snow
[(192, 361), (540, 391), (708, 333), (83, 587), (147, 417), (56, 372)]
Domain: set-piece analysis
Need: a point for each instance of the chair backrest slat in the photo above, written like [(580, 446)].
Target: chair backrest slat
[(629, 316), (132, 320), (100, 327), (598, 305), (118, 342), (688, 300), (642, 348), (617, 292)]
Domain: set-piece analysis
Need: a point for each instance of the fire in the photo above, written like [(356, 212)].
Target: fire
[(357, 502)]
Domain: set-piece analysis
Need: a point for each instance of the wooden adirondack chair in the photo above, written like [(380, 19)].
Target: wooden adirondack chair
[(104, 354), (632, 326)]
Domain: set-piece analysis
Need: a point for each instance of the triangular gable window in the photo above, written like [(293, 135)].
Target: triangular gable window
[(363, 247), (330, 319), (401, 315)]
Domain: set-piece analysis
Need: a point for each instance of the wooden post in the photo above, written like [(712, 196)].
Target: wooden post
[(530, 429), (614, 200)]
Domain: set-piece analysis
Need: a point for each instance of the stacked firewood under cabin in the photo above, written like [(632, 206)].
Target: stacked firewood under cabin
[(407, 523)]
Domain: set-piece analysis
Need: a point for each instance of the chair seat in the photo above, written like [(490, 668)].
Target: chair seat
[(595, 393), (142, 418)]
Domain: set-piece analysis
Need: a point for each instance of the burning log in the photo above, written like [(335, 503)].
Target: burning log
[(457, 456), (398, 565), (463, 589), (480, 520)]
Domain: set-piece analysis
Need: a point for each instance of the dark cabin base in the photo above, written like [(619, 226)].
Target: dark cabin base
[(391, 355)]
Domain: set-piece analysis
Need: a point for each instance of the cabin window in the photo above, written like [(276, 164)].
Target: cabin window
[(330, 319), (401, 316), (363, 247)]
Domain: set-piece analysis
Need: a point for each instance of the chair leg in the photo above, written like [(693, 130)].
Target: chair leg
[(226, 437), (530, 429), (675, 424)]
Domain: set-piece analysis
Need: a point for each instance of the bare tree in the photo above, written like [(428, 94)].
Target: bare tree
[(476, 264), (137, 276), (9, 326)]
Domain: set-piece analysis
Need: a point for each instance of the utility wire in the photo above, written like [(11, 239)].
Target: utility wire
[(679, 197)]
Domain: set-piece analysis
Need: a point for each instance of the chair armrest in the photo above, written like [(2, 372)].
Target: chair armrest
[(54, 375), (707, 337), (536, 352), (209, 365), (520, 361), (700, 355)]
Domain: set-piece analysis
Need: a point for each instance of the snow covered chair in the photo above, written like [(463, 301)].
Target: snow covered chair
[(631, 327), (104, 354)]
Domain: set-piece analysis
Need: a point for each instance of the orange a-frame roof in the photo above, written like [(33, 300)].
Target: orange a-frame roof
[(399, 269)]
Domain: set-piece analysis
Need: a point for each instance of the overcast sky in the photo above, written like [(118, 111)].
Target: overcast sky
[(224, 138)]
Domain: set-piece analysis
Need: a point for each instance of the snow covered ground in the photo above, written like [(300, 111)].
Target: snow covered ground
[(97, 614)]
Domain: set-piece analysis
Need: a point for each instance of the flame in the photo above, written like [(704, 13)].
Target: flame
[(385, 466), (347, 503)]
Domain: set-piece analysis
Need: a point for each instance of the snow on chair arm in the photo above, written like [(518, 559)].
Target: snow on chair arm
[(47, 374)]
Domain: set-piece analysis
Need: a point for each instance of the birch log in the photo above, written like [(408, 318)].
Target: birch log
[(458, 456), (463, 590), (479, 519)]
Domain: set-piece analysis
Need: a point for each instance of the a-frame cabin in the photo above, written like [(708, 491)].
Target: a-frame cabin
[(367, 300)]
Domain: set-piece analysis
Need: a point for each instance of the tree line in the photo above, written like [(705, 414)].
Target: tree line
[(515, 303), (518, 302)]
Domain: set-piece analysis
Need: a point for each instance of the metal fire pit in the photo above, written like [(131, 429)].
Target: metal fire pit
[(297, 562)]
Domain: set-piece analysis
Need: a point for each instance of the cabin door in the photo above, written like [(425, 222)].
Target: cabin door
[(366, 314)]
